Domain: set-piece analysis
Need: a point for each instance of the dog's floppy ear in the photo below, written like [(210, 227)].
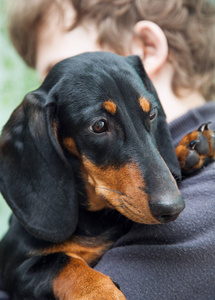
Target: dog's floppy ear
[(163, 136), (35, 178)]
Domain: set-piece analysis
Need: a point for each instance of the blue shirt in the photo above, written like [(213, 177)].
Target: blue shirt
[(174, 260)]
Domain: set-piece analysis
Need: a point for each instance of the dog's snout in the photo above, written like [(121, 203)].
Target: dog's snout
[(167, 211)]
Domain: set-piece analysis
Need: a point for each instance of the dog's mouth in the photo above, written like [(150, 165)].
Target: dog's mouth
[(135, 209), (139, 212), (167, 218), (124, 190)]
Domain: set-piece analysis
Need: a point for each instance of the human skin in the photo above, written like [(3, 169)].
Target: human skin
[(55, 43)]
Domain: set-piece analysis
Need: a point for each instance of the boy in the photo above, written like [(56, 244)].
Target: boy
[(176, 45), (174, 39)]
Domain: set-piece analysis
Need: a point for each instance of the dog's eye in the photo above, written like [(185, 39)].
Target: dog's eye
[(99, 126), (153, 114)]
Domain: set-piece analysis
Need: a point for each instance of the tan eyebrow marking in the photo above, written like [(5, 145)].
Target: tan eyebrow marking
[(144, 103), (109, 106)]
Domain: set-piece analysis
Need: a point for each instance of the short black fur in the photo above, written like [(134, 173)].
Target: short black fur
[(41, 179)]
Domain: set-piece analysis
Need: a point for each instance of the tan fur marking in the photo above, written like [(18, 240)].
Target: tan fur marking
[(110, 107), (122, 189), (87, 249), (190, 137), (54, 124), (55, 129), (144, 103), (181, 153), (96, 201), (70, 145), (77, 281), (182, 149)]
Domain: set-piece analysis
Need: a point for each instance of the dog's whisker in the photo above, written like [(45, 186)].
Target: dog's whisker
[(125, 208), (123, 202), (117, 192)]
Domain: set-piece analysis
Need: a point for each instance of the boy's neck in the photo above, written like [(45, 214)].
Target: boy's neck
[(175, 106)]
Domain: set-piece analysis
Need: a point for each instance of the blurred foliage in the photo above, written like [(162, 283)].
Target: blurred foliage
[(16, 79)]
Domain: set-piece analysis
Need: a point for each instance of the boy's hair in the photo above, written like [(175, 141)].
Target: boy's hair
[(189, 26)]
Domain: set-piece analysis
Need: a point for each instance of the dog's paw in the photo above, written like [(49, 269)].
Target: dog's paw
[(91, 285), (78, 281), (196, 149), (106, 289)]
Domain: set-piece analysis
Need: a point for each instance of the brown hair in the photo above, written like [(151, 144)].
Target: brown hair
[(189, 26)]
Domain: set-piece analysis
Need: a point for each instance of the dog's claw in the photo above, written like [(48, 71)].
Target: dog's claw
[(204, 127), (116, 284), (196, 149), (193, 144)]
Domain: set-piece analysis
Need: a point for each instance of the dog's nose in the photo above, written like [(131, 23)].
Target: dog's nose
[(167, 211)]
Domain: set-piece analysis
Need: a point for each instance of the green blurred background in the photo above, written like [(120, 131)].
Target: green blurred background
[(15, 81)]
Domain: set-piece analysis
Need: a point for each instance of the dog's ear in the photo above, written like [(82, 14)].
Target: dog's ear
[(35, 178), (163, 136)]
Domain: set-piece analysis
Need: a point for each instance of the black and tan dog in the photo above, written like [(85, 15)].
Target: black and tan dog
[(80, 160)]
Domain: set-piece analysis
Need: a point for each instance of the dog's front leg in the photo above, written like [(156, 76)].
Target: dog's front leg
[(75, 279), (39, 270), (78, 281), (58, 276)]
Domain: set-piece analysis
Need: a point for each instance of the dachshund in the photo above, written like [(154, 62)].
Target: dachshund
[(81, 158)]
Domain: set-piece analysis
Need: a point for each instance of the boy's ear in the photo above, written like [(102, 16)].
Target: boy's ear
[(150, 44), (163, 136)]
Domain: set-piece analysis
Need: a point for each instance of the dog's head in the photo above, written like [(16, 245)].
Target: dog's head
[(95, 125)]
